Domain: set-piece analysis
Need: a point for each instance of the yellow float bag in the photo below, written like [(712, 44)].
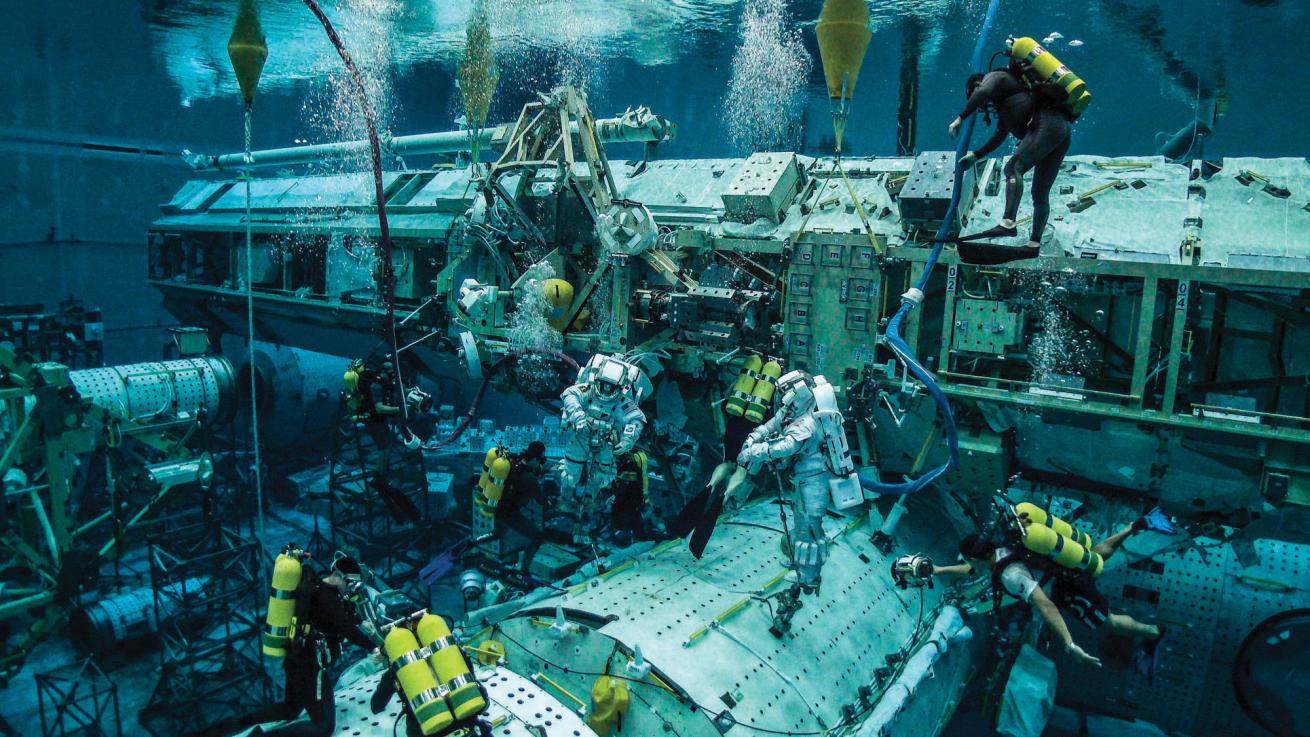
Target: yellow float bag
[(609, 702), (559, 296)]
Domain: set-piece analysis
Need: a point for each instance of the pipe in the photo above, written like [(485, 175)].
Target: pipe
[(634, 126), (913, 297), (947, 629), (44, 521), (596, 567)]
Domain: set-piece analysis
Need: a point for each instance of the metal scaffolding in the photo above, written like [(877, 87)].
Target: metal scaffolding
[(211, 666), (363, 524), (78, 699)]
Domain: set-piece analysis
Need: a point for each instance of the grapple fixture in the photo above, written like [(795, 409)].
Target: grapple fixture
[(247, 49)]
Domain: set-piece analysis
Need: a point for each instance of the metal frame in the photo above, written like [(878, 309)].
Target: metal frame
[(211, 665), (80, 694)]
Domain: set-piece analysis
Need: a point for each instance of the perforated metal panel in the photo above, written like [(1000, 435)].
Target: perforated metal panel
[(144, 391), (519, 707), (1209, 604), (662, 602)]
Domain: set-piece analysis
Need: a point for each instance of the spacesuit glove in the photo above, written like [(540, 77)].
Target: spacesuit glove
[(1080, 655)]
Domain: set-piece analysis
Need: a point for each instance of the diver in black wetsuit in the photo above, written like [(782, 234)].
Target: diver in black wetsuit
[(326, 622), (1042, 125)]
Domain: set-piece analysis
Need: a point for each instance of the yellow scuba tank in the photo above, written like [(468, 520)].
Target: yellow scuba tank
[(495, 488), (1030, 511), (762, 393), (464, 696), (609, 702), (559, 295), (1062, 550), (740, 396), (1046, 68), (418, 684), (350, 387), (279, 625), (636, 469), (484, 481)]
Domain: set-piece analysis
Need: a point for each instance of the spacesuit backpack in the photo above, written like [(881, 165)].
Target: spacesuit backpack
[(844, 489)]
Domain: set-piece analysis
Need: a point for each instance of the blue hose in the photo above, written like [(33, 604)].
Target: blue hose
[(894, 339)]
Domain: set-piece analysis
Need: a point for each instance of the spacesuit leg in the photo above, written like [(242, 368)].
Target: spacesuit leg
[(575, 461), (809, 502)]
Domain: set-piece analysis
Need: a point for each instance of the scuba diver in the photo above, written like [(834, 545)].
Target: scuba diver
[(1021, 574), (323, 620), (1040, 116), (373, 400), (527, 483), (630, 490)]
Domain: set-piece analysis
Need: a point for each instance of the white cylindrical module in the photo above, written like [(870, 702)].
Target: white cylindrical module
[(142, 392)]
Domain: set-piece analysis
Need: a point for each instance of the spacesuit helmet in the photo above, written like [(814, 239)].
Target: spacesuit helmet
[(795, 393), (610, 378)]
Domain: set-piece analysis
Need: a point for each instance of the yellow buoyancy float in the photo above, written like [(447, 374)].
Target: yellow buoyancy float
[(279, 625), (762, 393), (609, 702), (843, 32), (1034, 513), (247, 49), (559, 297), (463, 694), (740, 395), (1046, 68), (418, 684)]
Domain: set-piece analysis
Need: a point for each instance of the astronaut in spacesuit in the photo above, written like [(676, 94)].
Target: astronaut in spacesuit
[(601, 422), (806, 437)]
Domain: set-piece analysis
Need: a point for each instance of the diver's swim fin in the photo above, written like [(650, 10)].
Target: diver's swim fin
[(401, 508), (686, 520), (990, 254), (996, 231), (700, 537), (443, 563)]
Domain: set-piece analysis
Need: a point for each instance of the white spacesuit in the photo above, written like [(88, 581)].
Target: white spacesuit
[(601, 420), (806, 430)]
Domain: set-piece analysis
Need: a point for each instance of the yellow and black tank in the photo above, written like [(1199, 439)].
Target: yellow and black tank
[(417, 682), (1047, 68), (739, 396), (463, 693), (1059, 541), (762, 392), (279, 625)]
